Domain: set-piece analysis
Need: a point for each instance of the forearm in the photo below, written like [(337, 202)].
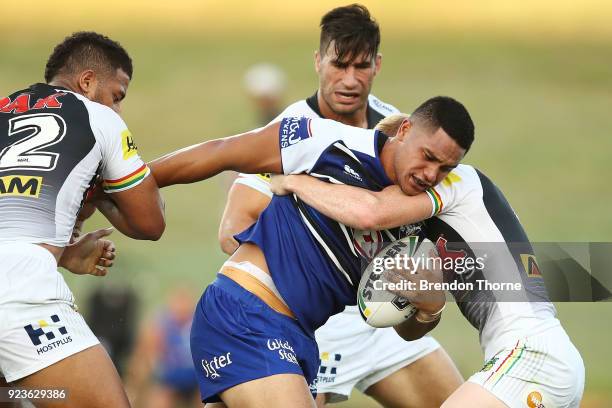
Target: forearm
[(351, 206), (360, 208), (109, 209), (252, 152), (412, 329), (188, 165)]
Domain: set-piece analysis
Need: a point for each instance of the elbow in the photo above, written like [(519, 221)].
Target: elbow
[(151, 231), (367, 214), (367, 218)]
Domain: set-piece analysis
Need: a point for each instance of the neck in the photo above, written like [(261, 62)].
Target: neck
[(357, 118), (64, 83), (386, 159)]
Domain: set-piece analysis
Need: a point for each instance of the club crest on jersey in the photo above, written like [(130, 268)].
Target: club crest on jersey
[(367, 243), (292, 130), (20, 186), (128, 145)]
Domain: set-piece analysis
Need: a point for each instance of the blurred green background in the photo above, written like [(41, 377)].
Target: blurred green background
[(536, 77)]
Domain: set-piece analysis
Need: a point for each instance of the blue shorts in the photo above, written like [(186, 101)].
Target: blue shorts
[(236, 338)]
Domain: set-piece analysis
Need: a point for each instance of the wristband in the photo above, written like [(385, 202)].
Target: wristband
[(431, 317)]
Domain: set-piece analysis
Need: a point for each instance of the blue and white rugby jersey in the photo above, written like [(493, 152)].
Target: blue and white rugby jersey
[(314, 260)]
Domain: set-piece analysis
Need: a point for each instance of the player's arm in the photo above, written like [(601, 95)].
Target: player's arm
[(357, 207), (137, 212), (413, 329), (243, 206), (253, 152), (131, 199), (430, 302)]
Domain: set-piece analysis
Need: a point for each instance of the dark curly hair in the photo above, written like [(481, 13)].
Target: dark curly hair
[(87, 50), (353, 32)]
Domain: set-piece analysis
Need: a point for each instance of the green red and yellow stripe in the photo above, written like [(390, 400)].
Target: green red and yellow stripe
[(126, 181), (436, 200), (506, 365)]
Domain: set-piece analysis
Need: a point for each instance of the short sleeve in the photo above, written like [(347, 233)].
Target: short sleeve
[(122, 167), (452, 191), (304, 140), (259, 182)]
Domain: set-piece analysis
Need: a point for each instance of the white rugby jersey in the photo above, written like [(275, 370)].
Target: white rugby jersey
[(471, 218), (53, 145)]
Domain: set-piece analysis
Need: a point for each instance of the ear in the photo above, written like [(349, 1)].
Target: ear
[(317, 56), (377, 63), (403, 129), (87, 82)]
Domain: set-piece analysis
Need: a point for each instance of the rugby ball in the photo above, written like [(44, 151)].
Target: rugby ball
[(381, 308)]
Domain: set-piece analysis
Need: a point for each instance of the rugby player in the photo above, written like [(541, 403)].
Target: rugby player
[(529, 359), (56, 138), (252, 339), (353, 354)]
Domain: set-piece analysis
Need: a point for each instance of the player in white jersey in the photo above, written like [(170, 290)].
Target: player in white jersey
[(353, 354), (529, 359), (56, 139)]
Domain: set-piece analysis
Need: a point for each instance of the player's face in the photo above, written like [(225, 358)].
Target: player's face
[(110, 90), (424, 158), (345, 85)]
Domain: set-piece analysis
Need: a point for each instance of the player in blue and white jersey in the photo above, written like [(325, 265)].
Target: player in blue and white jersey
[(353, 354), (529, 359), (252, 337)]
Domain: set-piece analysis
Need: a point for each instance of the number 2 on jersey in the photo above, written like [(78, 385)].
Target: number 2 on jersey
[(27, 154)]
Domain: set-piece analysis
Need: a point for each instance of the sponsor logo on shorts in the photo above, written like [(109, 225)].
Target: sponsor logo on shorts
[(534, 400), (40, 333), (328, 369), (291, 131), (212, 367), (20, 186), (285, 351)]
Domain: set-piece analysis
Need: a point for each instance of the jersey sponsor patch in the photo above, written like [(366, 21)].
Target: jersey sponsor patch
[(126, 182), (293, 130), (21, 186), (127, 144), (531, 266)]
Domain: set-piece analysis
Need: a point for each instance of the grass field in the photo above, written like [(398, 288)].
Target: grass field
[(541, 108)]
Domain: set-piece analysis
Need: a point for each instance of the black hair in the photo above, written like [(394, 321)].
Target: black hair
[(87, 50), (353, 32), (450, 115)]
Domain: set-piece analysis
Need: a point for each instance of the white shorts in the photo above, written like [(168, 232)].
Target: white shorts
[(39, 326), (540, 371), (354, 354)]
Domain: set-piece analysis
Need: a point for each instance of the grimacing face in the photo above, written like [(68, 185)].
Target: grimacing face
[(424, 157), (110, 90), (345, 87)]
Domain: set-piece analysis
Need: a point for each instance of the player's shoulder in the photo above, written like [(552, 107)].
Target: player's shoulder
[(463, 177), (298, 108), (381, 107), (104, 121)]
